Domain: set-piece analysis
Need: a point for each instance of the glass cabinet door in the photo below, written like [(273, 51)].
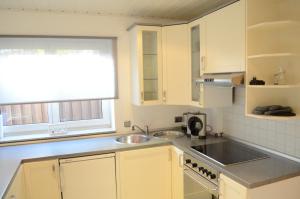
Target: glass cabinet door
[(195, 62), (150, 65)]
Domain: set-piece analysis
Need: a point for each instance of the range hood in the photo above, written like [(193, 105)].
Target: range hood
[(222, 80)]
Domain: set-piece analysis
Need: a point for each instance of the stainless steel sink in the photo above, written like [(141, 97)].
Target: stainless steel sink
[(133, 139), (168, 134)]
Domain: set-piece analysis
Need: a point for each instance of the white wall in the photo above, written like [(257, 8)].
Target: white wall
[(46, 23), (281, 136)]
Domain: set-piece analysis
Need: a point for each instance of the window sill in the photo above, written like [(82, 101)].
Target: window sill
[(42, 137)]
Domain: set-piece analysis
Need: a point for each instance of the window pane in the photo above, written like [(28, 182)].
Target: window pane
[(22, 114), (80, 110)]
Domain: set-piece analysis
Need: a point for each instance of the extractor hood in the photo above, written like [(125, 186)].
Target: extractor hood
[(222, 80)]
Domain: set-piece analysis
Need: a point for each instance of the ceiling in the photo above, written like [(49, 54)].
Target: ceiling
[(172, 9)]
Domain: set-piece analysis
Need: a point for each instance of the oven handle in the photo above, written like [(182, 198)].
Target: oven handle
[(211, 187)]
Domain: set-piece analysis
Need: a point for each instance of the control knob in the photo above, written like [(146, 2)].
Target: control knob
[(188, 161), (194, 165), (213, 176)]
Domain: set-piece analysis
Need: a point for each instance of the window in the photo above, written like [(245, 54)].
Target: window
[(48, 119), (57, 86)]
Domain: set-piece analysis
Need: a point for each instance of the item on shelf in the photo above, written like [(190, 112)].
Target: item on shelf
[(255, 81), (274, 110), (279, 77)]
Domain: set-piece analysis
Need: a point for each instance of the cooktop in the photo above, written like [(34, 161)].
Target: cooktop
[(229, 152)]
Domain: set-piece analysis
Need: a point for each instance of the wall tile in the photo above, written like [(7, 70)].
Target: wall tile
[(281, 136)]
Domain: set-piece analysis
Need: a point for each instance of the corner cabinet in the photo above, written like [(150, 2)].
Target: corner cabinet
[(42, 180), (146, 65), (175, 45), (145, 173), (17, 188)]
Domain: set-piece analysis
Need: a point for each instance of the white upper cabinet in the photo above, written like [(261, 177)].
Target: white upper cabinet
[(175, 45), (225, 39), (197, 54), (146, 65)]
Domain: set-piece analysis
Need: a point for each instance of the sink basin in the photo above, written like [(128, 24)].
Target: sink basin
[(168, 134), (133, 139)]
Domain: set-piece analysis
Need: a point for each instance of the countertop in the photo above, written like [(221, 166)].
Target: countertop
[(251, 174)]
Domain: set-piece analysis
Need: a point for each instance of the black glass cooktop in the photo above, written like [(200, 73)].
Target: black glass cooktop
[(229, 152)]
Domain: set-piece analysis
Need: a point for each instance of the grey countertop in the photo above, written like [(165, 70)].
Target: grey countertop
[(251, 174)]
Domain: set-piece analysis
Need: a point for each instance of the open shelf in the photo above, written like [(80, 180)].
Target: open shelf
[(275, 24), (271, 55), (273, 86), (279, 118)]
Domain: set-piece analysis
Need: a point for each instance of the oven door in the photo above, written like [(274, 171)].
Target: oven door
[(197, 187)]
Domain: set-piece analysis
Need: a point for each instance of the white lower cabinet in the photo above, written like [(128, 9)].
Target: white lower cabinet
[(229, 189), (90, 177), (145, 173), (42, 180), (17, 188), (177, 174)]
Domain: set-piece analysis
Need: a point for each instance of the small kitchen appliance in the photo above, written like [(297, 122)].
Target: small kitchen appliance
[(196, 125)]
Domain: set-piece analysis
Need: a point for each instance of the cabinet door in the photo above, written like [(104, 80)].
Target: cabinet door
[(89, 177), (42, 180), (177, 174), (175, 45), (17, 188), (150, 65), (230, 189), (145, 173), (225, 39), (197, 58)]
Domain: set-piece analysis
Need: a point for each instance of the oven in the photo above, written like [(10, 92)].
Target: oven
[(200, 180)]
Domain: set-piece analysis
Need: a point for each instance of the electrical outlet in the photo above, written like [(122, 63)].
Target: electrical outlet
[(127, 124), (57, 128), (178, 119)]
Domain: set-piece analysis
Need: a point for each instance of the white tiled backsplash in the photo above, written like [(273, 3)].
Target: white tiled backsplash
[(281, 136)]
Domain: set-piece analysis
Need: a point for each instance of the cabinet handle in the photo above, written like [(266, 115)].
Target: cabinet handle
[(142, 97), (203, 62), (164, 96), (221, 192), (181, 160), (12, 197), (53, 168)]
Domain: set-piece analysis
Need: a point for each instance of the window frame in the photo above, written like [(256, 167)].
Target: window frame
[(70, 127)]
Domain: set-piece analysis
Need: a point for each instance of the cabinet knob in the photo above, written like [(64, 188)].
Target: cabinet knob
[(12, 197)]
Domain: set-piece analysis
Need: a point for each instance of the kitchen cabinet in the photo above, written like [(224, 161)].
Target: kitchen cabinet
[(88, 177), (197, 60), (289, 188), (145, 173), (177, 174), (42, 179), (175, 45), (230, 189), (225, 39), (17, 187), (146, 65)]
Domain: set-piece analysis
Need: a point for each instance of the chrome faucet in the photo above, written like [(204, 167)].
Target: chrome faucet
[(146, 132)]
